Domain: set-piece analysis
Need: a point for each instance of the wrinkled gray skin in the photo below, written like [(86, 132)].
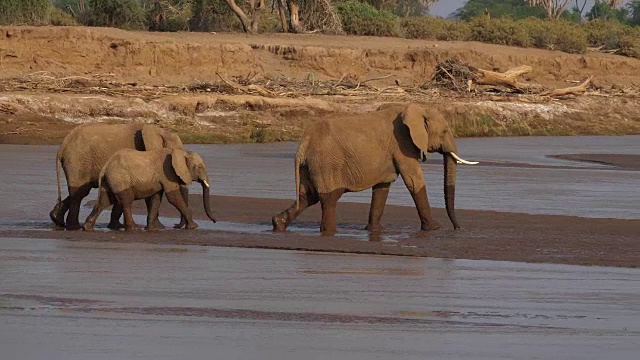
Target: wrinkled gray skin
[(370, 150), (86, 149), (132, 175)]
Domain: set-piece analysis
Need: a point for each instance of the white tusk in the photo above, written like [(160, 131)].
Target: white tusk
[(461, 160), (205, 183)]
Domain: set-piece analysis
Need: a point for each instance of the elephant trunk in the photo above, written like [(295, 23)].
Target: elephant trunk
[(205, 199), (450, 169)]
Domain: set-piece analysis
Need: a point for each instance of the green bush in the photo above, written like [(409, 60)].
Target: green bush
[(502, 31), (32, 12), (126, 14), (363, 19), (610, 34), (556, 35), (59, 17), (427, 27)]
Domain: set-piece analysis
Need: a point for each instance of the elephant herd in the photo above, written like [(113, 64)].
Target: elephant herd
[(128, 162)]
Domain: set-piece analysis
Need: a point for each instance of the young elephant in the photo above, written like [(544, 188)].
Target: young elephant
[(367, 151), (131, 175)]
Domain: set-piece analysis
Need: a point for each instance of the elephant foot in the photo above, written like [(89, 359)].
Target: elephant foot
[(374, 228), (182, 223), (191, 226), (154, 227), (431, 226), (279, 224), (57, 217), (115, 226), (134, 227), (73, 227)]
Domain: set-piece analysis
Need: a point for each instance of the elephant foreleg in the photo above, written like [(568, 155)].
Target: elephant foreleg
[(175, 198), (379, 195), (328, 202), (116, 212), (76, 194), (184, 191), (424, 210), (414, 180), (153, 207)]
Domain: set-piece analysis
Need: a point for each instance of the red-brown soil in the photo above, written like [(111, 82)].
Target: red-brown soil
[(54, 77)]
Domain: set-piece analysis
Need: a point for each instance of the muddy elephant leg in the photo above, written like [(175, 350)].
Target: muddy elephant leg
[(175, 199), (306, 198), (58, 212), (116, 212), (184, 191), (76, 194), (103, 202), (379, 195), (414, 180), (126, 198), (328, 202), (153, 207)]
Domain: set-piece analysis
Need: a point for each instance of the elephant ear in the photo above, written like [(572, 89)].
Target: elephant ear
[(414, 118), (179, 163), (152, 137)]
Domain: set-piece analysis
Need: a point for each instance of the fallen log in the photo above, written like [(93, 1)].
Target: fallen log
[(508, 78), (573, 90)]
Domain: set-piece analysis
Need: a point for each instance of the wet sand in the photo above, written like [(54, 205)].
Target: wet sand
[(486, 235)]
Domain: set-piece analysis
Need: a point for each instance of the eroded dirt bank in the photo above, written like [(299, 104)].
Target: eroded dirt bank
[(53, 78)]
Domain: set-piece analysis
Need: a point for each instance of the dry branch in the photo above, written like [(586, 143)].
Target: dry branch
[(573, 90), (248, 89)]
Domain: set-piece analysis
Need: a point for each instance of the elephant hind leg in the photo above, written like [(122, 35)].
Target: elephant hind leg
[(307, 196), (76, 194), (58, 212), (105, 199), (328, 202)]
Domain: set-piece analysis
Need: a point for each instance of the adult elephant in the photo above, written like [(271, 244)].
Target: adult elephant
[(86, 149), (370, 150)]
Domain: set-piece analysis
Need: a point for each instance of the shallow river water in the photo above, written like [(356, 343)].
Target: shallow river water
[(90, 300)]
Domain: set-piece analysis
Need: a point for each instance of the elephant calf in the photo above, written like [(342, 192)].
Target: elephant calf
[(132, 175), (368, 151)]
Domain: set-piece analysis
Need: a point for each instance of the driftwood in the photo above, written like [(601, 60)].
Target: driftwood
[(573, 90), (508, 78)]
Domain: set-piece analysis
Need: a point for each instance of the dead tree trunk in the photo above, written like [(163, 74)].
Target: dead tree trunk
[(248, 25), (294, 16), (282, 15)]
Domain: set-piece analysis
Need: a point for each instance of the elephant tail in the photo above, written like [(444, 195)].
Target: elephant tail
[(58, 165), (300, 157)]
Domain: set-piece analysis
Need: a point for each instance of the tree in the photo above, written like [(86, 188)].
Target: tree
[(402, 7), (516, 9), (553, 8), (255, 7), (608, 11), (634, 11)]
